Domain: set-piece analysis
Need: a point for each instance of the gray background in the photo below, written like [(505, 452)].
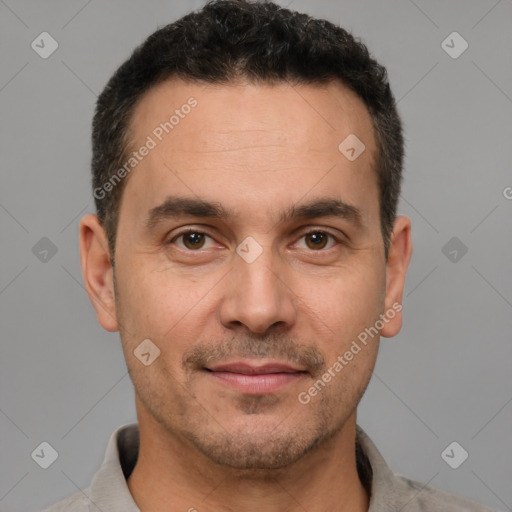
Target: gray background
[(445, 378)]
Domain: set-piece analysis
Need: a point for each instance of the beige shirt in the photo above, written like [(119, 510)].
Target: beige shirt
[(390, 492)]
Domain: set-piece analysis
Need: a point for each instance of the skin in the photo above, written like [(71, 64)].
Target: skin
[(256, 150)]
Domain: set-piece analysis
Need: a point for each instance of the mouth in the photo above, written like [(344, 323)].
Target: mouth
[(255, 378)]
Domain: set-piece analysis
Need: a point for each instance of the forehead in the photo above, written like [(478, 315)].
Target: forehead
[(299, 112), (251, 142)]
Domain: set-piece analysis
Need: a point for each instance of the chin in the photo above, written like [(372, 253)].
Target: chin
[(254, 444)]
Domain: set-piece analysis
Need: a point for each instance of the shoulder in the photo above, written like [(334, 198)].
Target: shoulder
[(77, 502), (418, 497)]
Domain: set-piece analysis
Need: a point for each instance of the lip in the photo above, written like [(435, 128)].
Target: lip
[(254, 368), (254, 378)]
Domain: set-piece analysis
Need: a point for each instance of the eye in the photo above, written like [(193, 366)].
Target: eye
[(317, 240), (191, 239)]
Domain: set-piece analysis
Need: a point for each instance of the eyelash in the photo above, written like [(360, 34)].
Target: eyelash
[(315, 231)]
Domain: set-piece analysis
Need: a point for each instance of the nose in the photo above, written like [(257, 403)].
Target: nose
[(257, 297)]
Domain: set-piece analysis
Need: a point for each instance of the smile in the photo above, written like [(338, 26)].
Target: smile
[(256, 379)]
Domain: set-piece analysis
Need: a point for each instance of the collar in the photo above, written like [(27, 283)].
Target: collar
[(109, 490)]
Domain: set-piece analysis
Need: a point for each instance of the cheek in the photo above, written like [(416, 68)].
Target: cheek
[(169, 310), (341, 313), (348, 300), (153, 301)]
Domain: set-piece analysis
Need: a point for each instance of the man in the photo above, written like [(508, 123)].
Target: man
[(246, 169)]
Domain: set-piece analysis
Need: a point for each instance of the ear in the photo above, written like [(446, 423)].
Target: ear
[(399, 255), (97, 271)]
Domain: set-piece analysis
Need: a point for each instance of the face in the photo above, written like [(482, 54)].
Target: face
[(249, 252)]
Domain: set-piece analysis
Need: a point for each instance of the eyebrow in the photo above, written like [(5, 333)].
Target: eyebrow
[(178, 206)]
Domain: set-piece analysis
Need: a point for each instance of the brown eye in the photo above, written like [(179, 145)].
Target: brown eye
[(316, 239), (193, 240)]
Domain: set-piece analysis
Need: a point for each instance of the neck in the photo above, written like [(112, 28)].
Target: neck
[(171, 474)]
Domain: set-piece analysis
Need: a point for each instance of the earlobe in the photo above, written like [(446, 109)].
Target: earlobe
[(97, 271), (400, 251)]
